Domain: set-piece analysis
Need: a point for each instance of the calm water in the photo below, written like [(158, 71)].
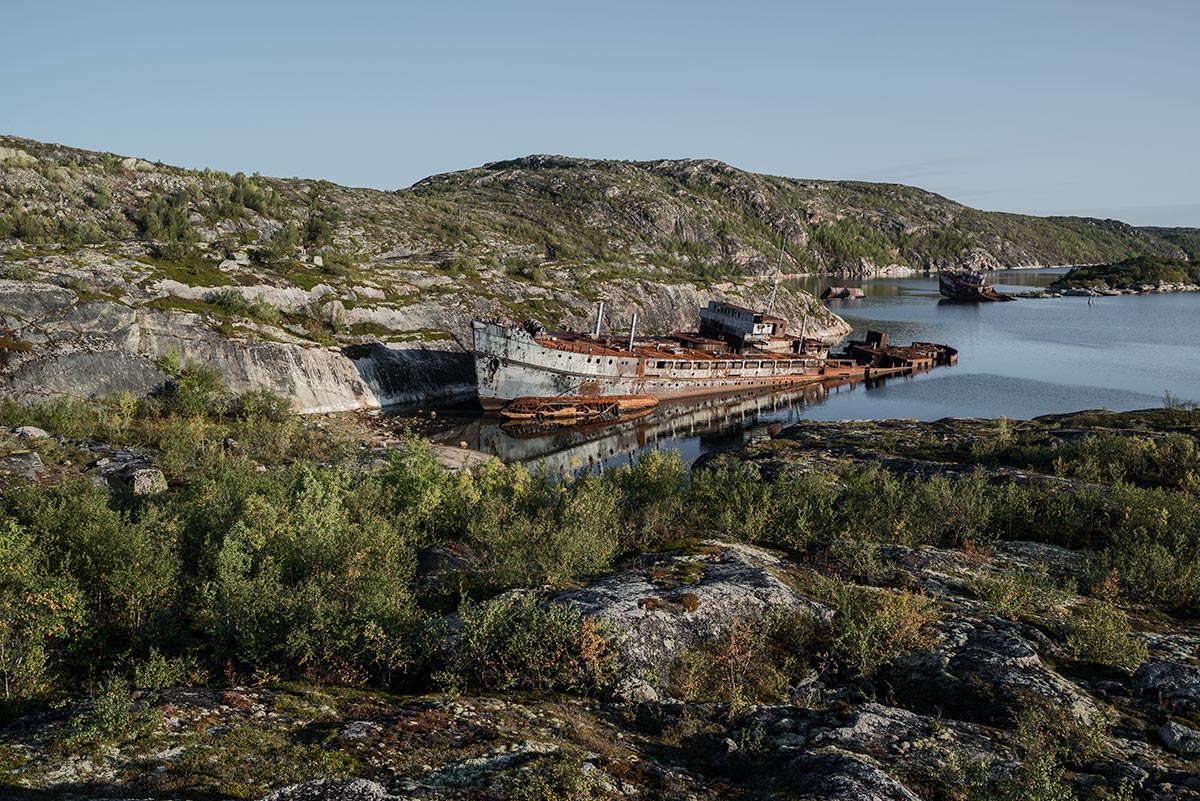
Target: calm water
[(1019, 359)]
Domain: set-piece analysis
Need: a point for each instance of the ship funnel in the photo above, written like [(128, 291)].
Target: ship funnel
[(632, 328), (599, 319)]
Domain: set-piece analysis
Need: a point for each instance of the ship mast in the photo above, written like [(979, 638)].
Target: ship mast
[(778, 274)]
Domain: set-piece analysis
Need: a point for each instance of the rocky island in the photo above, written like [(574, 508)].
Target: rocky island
[(1141, 274)]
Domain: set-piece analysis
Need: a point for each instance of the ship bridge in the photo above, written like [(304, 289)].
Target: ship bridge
[(739, 324)]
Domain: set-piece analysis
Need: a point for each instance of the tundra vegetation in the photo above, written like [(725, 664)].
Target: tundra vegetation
[(284, 557), (540, 236), (1133, 273)]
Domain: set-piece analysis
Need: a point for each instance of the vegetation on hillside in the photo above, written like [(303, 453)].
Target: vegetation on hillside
[(692, 220)]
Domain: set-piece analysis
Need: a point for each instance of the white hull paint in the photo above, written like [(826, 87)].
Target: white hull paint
[(510, 364)]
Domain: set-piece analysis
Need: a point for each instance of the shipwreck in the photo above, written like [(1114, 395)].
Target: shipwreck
[(529, 373), (966, 286)]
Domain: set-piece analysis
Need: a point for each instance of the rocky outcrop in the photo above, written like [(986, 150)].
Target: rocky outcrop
[(65, 345), (95, 348), (983, 673), (662, 605), (334, 790)]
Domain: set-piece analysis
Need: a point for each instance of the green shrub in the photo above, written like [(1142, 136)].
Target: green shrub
[(872, 627), (515, 642), (233, 302), (548, 777), (1100, 634), (170, 362), (729, 500), (1017, 593), (651, 509), (38, 606), (158, 671), (281, 249), (114, 714), (311, 577), (533, 530), (748, 660), (198, 392), (1046, 742), (126, 570)]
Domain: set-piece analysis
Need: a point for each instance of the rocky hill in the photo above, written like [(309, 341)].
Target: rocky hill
[(341, 297)]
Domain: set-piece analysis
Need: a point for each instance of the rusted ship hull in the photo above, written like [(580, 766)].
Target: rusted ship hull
[(510, 363), (969, 288)]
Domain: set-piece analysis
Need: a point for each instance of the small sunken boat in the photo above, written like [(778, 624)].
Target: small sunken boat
[(966, 286)]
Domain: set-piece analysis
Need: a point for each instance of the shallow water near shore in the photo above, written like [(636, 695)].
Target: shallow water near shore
[(1019, 360)]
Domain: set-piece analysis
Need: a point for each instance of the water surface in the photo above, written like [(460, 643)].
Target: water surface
[(1020, 360)]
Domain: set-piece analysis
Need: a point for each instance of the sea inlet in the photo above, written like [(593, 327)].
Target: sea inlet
[(1018, 360)]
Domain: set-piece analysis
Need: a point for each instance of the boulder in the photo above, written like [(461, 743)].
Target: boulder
[(129, 470), (147, 481), (840, 777), (26, 465), (1180, 738), (632, 690), (30, 432), (1162, 676), (982, 673), (663, 604)]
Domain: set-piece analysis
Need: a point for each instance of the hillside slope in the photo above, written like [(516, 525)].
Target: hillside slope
[(341, 297)]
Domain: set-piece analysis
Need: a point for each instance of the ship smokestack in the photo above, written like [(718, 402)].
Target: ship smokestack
[(632, 328), (599, 319)]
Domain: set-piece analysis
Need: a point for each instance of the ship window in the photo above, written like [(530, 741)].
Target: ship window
[(661, 365)]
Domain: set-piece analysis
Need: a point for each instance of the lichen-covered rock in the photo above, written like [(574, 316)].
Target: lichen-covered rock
[(1180, 738), (1161, 676), (129, 470), (333, 790), (983, 674), (662, 605), (28, 465), (840, 777), (30, 432)]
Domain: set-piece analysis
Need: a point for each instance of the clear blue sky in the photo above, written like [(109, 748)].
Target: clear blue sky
[(1091, 106)]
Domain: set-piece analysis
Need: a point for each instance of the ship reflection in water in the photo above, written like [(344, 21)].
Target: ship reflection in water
[(693, 427)]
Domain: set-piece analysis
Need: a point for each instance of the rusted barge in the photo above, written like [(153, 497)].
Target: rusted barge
[(530, 372)]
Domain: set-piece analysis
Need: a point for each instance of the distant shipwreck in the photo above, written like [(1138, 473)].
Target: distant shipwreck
[(966, 286)]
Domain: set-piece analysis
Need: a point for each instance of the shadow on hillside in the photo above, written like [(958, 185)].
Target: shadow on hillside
[(413, 375)]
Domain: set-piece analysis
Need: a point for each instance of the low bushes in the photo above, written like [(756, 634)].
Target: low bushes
[(749, 660), (516, 642), (310, 571)]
